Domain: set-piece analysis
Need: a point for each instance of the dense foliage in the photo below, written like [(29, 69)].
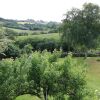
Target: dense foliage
[(80, 27), (43, 75), (35, 64), (39, 43), (4, 41)]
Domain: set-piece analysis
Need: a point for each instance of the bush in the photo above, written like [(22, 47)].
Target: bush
[(53, 31), (12, 51), (13, 77), (6, 80), (27, 49)]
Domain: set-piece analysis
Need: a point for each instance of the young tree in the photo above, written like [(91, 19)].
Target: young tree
[(6, 80), (72, 80), (44, 73), (57, 79)]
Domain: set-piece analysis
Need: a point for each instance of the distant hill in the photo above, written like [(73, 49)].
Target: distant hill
[(30, 24)]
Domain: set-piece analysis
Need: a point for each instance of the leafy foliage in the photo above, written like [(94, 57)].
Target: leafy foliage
[(39, 43), (12, 51), (80, 28), (42, 74), (54, 77), (4, 41)]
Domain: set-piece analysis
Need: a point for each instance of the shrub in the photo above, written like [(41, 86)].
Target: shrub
[(12, 51), (6, 80), (72, 79), (28, 48)]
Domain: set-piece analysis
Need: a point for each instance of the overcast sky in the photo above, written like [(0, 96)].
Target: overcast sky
[(47, 10)]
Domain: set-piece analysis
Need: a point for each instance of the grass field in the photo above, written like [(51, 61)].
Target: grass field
[(93, 74), (25, 31), (20, 30), (27, 97), (55, 36)]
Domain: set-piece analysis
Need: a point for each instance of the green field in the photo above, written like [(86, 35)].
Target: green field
[(27, 97), (25, 31), (55, 36), (93, 75)]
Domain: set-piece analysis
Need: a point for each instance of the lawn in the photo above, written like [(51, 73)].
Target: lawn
[(27, 97)]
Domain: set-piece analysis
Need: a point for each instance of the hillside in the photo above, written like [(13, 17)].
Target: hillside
[(30, 24)]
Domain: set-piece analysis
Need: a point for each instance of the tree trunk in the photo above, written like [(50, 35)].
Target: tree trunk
[(45, 94), (85, 56)]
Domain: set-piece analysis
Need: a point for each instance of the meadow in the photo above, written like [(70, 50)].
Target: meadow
[(24, 31)]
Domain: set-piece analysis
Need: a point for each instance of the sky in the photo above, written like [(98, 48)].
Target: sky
[(47, 10)]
